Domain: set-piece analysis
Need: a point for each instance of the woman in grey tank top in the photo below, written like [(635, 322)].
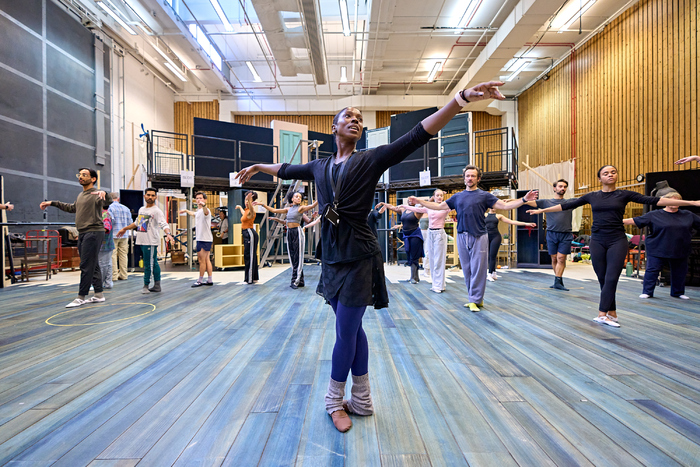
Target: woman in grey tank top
[(295, 236)]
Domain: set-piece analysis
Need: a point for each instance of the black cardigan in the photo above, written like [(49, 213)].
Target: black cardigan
[(353, 239)]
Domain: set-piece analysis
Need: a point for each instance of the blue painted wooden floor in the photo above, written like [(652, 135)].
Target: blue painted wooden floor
[(235, 376)]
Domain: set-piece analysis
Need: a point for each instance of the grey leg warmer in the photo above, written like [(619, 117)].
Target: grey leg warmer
[(360, 401), (334, 396)]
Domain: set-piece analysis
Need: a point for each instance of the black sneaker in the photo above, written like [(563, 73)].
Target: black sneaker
[(209, 283), (293, 286)]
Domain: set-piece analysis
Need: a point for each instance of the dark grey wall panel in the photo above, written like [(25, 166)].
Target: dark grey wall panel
[(108, 99), (70, 120), (27, 58), (21, 149), (67, 33), (108, 134), (66, 76), (67, 194), (26, 194), (64, 158), (27, 12), (106, 61), (20, 99)]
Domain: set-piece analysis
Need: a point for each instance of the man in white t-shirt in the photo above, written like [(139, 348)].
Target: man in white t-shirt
[(202, 225), (147, 225)]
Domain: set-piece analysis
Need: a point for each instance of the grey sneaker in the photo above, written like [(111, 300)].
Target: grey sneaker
[(145, 290), (94, 299)]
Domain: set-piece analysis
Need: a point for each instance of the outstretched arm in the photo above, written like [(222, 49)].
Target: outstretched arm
[(311, 224), (435, 122), (534, 212), (274, 210), (309, 207), (431, 204), (628, 221), (504, 219), (240, 209), (685, 160), (245, 174), (516, 203), (392, 208), (186, 211), (677, 202)]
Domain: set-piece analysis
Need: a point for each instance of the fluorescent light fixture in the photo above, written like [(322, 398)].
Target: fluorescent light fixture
[(433, 72), (520, 68), (571, 12), (172, 66), (577, 16), (343, 74), (220, 13), (174, 69), (344, 18), (203, 41), (116, 17), (467, 16), (256, 76)]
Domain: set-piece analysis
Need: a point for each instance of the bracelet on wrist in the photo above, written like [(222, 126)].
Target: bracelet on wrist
[(460, 98)]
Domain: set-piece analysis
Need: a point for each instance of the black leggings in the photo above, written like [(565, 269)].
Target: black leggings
[(608, 256), (250, 255), (494, 245)]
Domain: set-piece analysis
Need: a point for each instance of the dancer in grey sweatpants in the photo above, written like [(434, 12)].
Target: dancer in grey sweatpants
[(472, 238)]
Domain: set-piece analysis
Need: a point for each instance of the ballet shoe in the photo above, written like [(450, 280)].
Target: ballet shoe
[(341, 420)]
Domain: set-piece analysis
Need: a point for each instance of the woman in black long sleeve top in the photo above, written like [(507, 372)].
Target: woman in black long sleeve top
[(608, 240), (352, 274)]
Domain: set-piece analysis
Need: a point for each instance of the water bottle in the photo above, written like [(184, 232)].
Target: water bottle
[(629, 269)]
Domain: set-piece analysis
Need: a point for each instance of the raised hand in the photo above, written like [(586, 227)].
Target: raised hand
[(414, 200), (101, 194), (685, 160), (245, 174), (484, 91), (531, 195)]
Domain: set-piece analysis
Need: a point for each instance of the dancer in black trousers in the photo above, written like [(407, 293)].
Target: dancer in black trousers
[(609, 244), (668, 242), (250, 239)]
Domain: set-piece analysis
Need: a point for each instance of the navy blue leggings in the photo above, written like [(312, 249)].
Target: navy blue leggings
[(351, 350)]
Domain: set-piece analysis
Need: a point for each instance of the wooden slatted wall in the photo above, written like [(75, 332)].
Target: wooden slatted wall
[(636, 96), (186, 112)]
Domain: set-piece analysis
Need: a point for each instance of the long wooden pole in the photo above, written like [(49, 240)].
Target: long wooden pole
[(535, 172)]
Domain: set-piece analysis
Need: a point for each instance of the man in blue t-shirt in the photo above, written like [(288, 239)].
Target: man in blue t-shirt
[(472, 239), (559, 234)]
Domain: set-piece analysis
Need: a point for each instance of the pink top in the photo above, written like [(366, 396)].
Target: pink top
[(436, 219)]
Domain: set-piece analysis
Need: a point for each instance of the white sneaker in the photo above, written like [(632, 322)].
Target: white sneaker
[(607, 321), (684, 297), (436, 290), (94, 299), (496, 276), (644, 296), (77, 302), (490, 278)]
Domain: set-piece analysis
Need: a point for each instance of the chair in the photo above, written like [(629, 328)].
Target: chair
[(38, 257), (636, 251)]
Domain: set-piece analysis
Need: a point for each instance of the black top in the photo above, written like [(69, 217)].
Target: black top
[(670, 232), (556, 221), (373, 221), (409, 221), (470, 207), (492, 224), (353, 239), (609, 208)]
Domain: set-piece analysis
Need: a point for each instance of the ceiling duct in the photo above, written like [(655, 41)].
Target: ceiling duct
[(314, 35), (281, 39)]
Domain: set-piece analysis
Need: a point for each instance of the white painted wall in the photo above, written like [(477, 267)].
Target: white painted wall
[(147, 101)]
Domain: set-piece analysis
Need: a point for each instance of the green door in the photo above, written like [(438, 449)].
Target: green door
[(288, 144)]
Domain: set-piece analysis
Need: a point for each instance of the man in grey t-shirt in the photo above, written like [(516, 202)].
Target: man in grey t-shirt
[(559, 234)]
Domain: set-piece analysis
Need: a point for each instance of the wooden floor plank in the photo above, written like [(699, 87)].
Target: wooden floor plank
[(234, 375)]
